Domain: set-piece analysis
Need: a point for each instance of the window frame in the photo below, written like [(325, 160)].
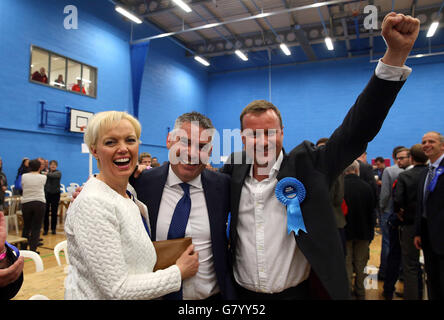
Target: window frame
[(50, 53)]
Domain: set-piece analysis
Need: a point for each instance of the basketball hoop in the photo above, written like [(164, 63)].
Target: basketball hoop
[(82, 128)]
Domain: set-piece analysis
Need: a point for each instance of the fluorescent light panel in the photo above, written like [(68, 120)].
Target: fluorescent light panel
[(128, 15), (202, 60), (285, 49), (432, 29), (241, 55), (329, 43), (183, 5)]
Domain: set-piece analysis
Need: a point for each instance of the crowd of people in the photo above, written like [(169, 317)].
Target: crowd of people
[(299, 223)]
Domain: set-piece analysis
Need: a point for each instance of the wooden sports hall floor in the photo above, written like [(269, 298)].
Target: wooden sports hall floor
[(50, 240)]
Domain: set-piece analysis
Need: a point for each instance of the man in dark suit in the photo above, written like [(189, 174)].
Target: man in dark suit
[(405, 197), (268, 262), (359, 230), (430, 214), (161, 189)]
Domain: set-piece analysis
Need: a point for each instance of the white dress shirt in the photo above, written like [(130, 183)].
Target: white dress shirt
[(204, 283), (267, 257)]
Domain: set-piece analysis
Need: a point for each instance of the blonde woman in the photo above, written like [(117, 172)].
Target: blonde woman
[(110, 251)]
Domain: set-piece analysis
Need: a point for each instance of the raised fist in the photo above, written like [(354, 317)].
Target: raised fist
[(400, 33)]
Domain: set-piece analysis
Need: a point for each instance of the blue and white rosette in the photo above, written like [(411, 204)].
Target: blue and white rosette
[(291, 192)]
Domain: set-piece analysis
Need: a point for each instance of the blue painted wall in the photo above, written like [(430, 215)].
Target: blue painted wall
[(172, 84), (314, 97)]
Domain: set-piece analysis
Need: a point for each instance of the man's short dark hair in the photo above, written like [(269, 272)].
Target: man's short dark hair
[(321, 141), (259, 106), (401, 150), (53, 161), (34, 165), (418, 154), (379, 159), (194, 116), (396, 150)]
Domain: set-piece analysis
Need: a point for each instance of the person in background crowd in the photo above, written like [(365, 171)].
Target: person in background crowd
[(154, 162), (3, 185), (378, 170), (386, 207), (59, 81), (429, 222), (77, 86), (40, 76), (145, 160), (405, 206), (11, 267), (43, 165), (392, 272), (24, 168), (359, 229), (33, 204), (52, 195), (110, 251)]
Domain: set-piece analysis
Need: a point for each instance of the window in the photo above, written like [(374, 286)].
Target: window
[(62, 73), (74, 79), (89, 80), (39, 65), (58, 71)]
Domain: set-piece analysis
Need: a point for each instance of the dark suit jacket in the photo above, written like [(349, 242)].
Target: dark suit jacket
[(9, 291), (149, 187), (360, 200), (435, 213), (366, 174), (405, 194), (317, 168)]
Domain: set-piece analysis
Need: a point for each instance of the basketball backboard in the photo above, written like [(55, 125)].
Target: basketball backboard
[(79, 120)]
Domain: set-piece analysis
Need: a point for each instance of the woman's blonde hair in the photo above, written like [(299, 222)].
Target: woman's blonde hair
[(103, 121)]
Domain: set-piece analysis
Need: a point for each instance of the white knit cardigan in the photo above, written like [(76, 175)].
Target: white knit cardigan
[(110, 253)]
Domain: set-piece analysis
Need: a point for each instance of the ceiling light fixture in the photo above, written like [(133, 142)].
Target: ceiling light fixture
[(285, 49), (128, 15), (241, 55), (183, 5), (432, 29), (329, 43), (202, 60)]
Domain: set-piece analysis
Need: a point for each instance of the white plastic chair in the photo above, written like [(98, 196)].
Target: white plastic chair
[(13, 202), (70, 190), (8, 193), (61, 246), (39, 297), (74, 184), (62, 188), (35, 257)]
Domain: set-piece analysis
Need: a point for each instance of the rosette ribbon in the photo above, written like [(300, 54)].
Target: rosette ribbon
[(291, 192)]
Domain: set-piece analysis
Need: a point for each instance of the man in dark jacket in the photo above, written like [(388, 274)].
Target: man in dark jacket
[(404, 204), (430, 214), (359, 230), (52, 195)]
